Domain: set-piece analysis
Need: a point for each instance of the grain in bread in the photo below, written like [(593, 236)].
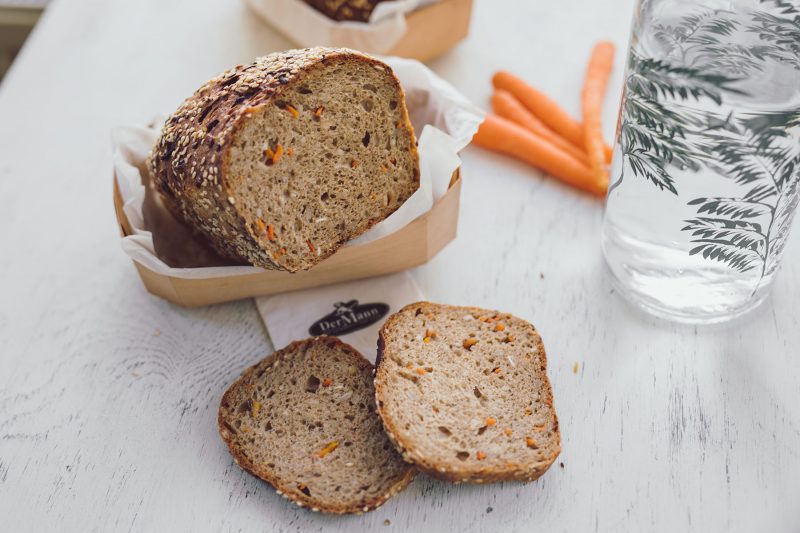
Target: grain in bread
[(304, 420), (280, 162), (464, 395)]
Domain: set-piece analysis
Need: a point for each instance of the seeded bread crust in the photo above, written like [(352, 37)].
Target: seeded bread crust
[(189, 163), (357, 10), (228, 415), (452, 470)]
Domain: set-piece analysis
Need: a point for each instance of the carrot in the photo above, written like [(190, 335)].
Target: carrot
[(542, 106), (504, 136), (551, 114), (506, 106), (594, 91)]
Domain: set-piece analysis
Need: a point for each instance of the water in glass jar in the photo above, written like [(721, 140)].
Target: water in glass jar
[(706, 168)]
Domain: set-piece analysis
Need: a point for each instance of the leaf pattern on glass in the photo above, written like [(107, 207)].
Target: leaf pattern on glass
[(654, 136), (755, 151), (704, 61), (737, 242), (781, 29)]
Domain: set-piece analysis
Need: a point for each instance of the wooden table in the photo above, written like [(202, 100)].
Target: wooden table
[(108, 395)]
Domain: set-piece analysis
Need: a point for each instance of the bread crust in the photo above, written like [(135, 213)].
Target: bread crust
[(523, 473), (190, 160), (287, 491)]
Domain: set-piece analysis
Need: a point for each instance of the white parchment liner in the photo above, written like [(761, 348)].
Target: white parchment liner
[(308, 27), (444, 120)]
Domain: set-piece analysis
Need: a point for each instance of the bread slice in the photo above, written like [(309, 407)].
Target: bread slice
[(280, 162), (304, 420), (464, 395)]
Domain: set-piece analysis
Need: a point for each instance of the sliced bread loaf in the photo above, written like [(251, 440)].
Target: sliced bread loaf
[(280, 162), (304, 420), (464, 395)]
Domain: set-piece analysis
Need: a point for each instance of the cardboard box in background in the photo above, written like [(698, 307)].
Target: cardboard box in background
[(17, 19)]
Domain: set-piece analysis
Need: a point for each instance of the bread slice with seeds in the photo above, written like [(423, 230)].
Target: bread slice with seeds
[(464, 395), (304, 420), (280, 162)]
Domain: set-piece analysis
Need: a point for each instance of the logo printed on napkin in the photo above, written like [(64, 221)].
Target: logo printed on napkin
[(348, 317), (337, 310)]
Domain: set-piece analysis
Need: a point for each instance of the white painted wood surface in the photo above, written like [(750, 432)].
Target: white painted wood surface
[(108, 395)]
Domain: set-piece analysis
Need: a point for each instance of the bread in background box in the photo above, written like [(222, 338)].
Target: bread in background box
[(417, 29), (359, 10)]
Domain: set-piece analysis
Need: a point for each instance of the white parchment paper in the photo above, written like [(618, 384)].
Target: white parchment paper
[(353, 311), (306, 26), (443, 119)]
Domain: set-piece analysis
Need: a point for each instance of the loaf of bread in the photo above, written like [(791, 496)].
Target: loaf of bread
[(304, 420), (357, 10), (464, 395), (280, 162)]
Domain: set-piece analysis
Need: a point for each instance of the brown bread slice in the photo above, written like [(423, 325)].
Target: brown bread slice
[(280, 162), (464, 395), (304, 420)]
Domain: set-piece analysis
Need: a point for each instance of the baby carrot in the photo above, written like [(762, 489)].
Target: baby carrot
[(542, 106), (504, 136), (508, 107), (594, 90)]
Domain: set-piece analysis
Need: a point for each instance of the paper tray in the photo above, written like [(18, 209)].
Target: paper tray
[(434, 29), (412, 245)]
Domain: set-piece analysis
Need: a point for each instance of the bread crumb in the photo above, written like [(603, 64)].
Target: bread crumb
[(387, 522), (157, 333), (576, 367)]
